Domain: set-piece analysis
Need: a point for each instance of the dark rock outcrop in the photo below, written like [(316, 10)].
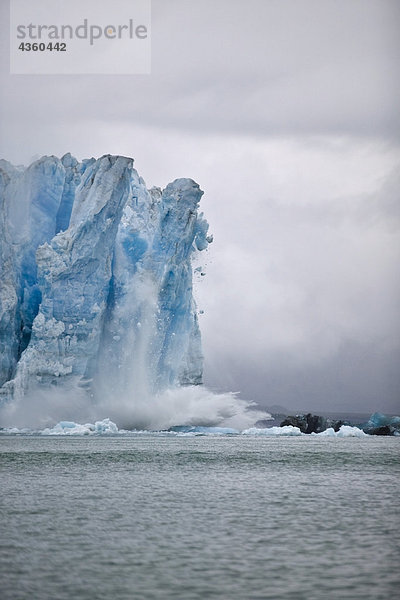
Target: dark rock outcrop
[(306, 423), (384, 430), (310, 423)]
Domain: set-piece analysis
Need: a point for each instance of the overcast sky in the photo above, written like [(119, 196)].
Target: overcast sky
[(286, 112)]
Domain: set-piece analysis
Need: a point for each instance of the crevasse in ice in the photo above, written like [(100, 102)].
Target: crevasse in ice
[(96, 278)]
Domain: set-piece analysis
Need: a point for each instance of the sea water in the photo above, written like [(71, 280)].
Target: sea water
[(152, 516)]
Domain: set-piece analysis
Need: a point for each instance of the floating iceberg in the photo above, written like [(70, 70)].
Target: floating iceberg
[(290, 430), (344, 431), (286, 430), (70, 428), (379, 424)]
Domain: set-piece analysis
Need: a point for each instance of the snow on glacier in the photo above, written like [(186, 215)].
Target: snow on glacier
[(97, 315)]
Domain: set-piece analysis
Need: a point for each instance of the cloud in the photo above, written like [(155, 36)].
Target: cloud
[(258, 68), (303, 281)]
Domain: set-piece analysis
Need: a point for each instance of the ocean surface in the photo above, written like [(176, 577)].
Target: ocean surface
[(230, 517)]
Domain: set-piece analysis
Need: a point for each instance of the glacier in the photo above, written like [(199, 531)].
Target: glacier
[(96, 297)]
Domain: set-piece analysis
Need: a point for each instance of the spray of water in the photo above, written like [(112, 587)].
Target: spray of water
[(189, 405)]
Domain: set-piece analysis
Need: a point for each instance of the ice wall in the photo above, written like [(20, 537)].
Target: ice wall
[(96, 278)]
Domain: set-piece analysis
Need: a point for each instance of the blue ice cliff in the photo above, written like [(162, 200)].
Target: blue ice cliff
[(96, 279)]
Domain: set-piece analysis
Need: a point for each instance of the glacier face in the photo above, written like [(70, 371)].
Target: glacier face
[(96, 279)]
